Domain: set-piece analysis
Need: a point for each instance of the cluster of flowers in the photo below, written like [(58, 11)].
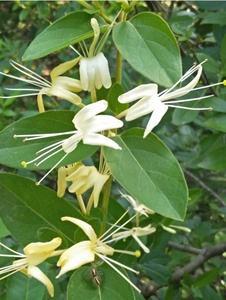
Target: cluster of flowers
[(92, 128), (82, 252)]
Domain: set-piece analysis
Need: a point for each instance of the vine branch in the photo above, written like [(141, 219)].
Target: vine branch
[(206, 187), (205, 255)]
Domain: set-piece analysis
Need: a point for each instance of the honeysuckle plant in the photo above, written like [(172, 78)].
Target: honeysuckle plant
[(85, 154)]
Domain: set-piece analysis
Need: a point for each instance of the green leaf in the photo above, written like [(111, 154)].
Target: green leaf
[(27, 288), (217, 122), (213, 18), (13, 151), (150, 47), (3, 230), (28, 209), (115, 91), (218, 104), (157, 272), (149, 172), (184, 116), (206, 278), (65, 31), (223, 50), (82, 286), (212, 155)]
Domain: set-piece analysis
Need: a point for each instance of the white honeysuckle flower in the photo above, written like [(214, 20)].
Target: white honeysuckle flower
[(82, 179), (33, 255), (138, 207), (87, 123), (86, 252), (151, 101), (60, 86), (135, 232), (94, 69), (94, 72)]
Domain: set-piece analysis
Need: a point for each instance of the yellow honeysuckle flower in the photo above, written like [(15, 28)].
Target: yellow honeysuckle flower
[(85, 252), (82, 179), (33, 255), (60, 86), (139, 208), (135, 232)]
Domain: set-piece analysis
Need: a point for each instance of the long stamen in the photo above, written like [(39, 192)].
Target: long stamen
[(110, 228), (119, 264), (191, 108), (116, 230), (35, 76), (12, 267), (75, 50), (32, 72), (40, 156), (207, 86), (50, 146), (21, 89), (24, 80), (52, 154), (141, 244), (192, 70), (43, 135), (12, 273), (188, 100), (11, 250), (120, 273), (52, 169), (19, 96), (9, 255), (118, 238), (133, 253)]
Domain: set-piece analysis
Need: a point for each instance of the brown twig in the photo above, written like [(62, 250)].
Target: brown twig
[(203, 256), (206, 187), (185, 248), (197, 262)]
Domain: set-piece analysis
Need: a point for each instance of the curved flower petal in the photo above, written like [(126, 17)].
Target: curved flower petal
[(58, 91), (155, 118), (184, 90), (39, 252), (81, 184), (71, 143), (91, 71), (36, 273), (62, 68), (102, 123), (144, 90), (142, 108), (89, 111), (103, 70), (100, 180), (86, 228), (84, 74), (71, 84), (75, 257), (61, 182), (100, 140)]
